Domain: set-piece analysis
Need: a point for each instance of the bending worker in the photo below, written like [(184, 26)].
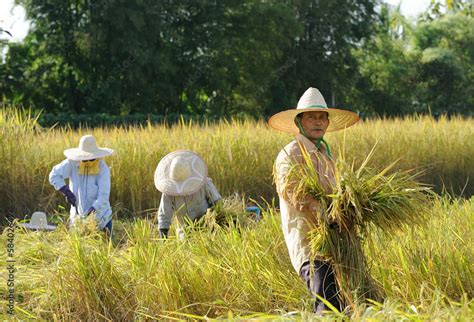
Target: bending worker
[(187, 191), (88, 189)]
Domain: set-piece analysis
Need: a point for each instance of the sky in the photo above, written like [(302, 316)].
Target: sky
[(12, 18), (410, 8)]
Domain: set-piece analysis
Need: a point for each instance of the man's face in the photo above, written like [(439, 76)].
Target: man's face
[(314, 124)]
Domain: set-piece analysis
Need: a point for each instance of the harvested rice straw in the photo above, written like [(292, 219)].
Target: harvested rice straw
[(361, 200), (228, 214)]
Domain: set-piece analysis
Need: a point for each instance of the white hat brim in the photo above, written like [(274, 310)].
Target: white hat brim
[(77, 154), (192, 184), (37, 227), (338, 119)]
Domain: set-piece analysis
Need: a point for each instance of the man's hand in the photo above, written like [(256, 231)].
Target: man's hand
[(217, 206), (310, 206), (163, 233), (70, 197), (89, 211)]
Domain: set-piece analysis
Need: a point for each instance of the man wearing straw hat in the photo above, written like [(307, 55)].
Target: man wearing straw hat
[(187, 191), (88, 190), (308, 122)]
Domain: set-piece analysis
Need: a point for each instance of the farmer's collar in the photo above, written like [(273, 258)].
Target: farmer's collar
[(310, 145)]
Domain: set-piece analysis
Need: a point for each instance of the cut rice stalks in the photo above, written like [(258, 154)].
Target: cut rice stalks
[(361, 200)]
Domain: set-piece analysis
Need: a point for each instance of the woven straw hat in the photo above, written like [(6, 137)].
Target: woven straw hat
[(312, 101), (87, 150), (180, 173), (38, 221)]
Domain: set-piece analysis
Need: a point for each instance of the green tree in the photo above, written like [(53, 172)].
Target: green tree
[(208, 57), (321, 56), (387, 68), (446, 63), (409, 68), (175, 56), (438, 9)]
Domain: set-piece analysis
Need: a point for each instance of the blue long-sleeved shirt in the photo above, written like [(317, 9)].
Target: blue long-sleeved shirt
[(90, 190)]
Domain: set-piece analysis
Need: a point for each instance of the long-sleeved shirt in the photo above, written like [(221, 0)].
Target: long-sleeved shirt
[(191, 206), (90, 190), (296, 224)]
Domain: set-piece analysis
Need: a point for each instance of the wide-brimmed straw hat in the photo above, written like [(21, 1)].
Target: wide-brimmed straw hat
[(180, 173), (313, 101), (38, 221), (87, 150)]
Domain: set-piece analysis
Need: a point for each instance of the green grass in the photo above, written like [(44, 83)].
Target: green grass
[(427, 274)]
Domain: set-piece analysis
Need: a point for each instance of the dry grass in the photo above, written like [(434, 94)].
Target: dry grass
[(426, 274)]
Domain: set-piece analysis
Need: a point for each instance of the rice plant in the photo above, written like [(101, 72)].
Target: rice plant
[(426, 273), (240, 156), (361, 200), (236, 272)]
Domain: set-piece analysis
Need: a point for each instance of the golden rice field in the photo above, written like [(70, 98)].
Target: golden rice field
[(239, 154), (426, 274)]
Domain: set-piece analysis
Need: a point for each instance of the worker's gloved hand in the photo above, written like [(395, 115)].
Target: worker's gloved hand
[(89, 211), (163, 232), (70, 197)]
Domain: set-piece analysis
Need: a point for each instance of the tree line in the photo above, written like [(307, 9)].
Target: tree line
[(221, 58)]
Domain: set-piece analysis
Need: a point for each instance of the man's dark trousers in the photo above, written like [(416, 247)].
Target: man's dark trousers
[(320, 280)]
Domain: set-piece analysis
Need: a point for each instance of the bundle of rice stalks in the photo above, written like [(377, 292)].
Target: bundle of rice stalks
[(86, 226), (228, 213), (361, 199)]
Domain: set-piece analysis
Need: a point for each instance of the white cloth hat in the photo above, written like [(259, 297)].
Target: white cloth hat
[(38, 221), (180, 173), (87, 150), (313, 101)]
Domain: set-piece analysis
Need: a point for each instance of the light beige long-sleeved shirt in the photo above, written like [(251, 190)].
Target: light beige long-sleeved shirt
[(191, 206), (297, 221)]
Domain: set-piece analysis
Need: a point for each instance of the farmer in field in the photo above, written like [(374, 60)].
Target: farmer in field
[(89, 182), (309, 122), (187, 191)]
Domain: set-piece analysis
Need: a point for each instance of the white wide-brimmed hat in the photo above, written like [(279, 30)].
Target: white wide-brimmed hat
[(180, 173), (38, 221), (87, 150), (313, 101)]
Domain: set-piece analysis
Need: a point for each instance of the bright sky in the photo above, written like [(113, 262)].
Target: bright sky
[(410, 8), (13, 18)]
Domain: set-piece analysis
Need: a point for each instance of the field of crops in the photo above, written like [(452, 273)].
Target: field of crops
[(240, 156), (427, 273)]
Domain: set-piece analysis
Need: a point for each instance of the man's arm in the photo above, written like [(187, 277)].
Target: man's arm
[(165, 214), (212, 195), (59, 174), (286, 186)]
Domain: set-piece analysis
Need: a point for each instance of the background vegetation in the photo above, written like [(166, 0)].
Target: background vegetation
[(227, 58)]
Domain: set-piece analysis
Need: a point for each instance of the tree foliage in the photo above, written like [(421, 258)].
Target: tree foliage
[(207, 57), (227, 57), (425, 67)]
